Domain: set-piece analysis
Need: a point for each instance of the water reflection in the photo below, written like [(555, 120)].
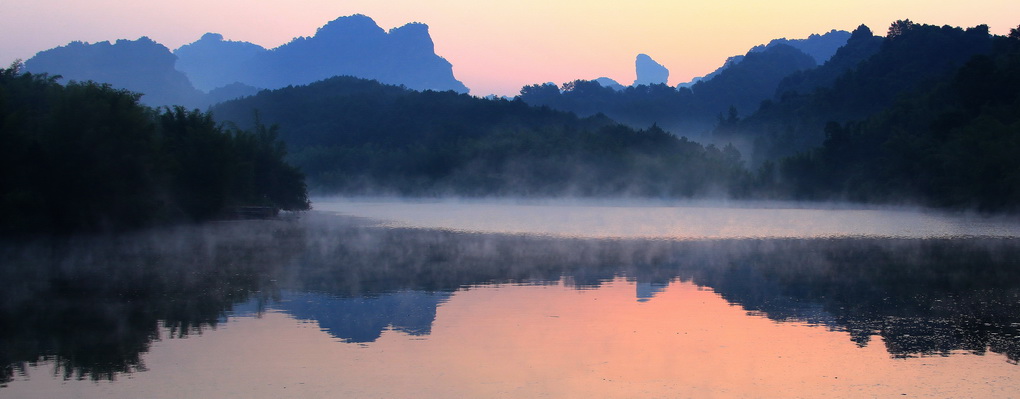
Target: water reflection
[(364, 319), (93, 306)]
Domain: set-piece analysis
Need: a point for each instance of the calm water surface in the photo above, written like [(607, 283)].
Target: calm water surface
[(386, 299)]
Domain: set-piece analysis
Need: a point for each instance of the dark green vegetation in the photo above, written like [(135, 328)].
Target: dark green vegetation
[(870, 78), (949, 136), (86, 157), (926, 115), (357, 136)]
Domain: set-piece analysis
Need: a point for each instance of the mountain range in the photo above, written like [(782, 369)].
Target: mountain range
[(819, 47), (353, 46), (692, 109), (925, 114), (141, 66), (212, 69)]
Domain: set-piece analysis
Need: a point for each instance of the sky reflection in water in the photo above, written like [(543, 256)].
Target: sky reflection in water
[(331, 306)]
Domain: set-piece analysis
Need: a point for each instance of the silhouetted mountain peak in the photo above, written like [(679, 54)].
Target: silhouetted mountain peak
[(212, 62), (214, 39), (649, 72), (416, 28), (610, 83), (819, 47), (142, 66), (415, 36), (352, 27), (783, 48), (353, 45)]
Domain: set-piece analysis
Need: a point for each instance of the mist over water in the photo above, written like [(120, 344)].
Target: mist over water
[(671, 220), (454, 298)]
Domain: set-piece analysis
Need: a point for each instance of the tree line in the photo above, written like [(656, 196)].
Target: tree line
[(83, 156), (952, 143), (356, 136)]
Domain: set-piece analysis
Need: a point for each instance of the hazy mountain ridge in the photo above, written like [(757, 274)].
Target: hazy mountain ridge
[(141, 66), (347, 46), (352, 45), (212, 62), (689, 112), (861, 45), (820, 47), (745, 84)]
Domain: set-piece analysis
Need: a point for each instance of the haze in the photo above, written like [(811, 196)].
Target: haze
[(496, 47)]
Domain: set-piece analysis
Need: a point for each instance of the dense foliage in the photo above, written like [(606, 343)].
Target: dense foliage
[(357, 136), (955, 144), (863, 78), (86, 157)]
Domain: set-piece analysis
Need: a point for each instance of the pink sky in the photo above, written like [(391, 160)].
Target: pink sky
[(497, 46)]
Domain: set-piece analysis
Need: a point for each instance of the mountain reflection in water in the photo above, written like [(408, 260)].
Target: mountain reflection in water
[(93, 306)]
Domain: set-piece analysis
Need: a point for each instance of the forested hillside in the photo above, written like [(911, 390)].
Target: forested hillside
[(362, 137), (954, 144), (911, 58)]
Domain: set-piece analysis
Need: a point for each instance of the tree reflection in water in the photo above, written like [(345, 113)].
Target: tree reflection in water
[(93, 305)]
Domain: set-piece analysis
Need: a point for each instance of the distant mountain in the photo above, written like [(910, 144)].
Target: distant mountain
[(861, 45), (819, 47), (142, 66), (352, 46), (692, 109), (610, 83), (689, 112), (212, 62), (347, 46), (728, 63), (230, 92), (755, 78), (649, 72)]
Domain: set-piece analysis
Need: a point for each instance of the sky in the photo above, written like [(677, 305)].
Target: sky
[(496, 47)]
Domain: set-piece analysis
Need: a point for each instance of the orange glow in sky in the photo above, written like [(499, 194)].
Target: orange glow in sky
[(497, 46)]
